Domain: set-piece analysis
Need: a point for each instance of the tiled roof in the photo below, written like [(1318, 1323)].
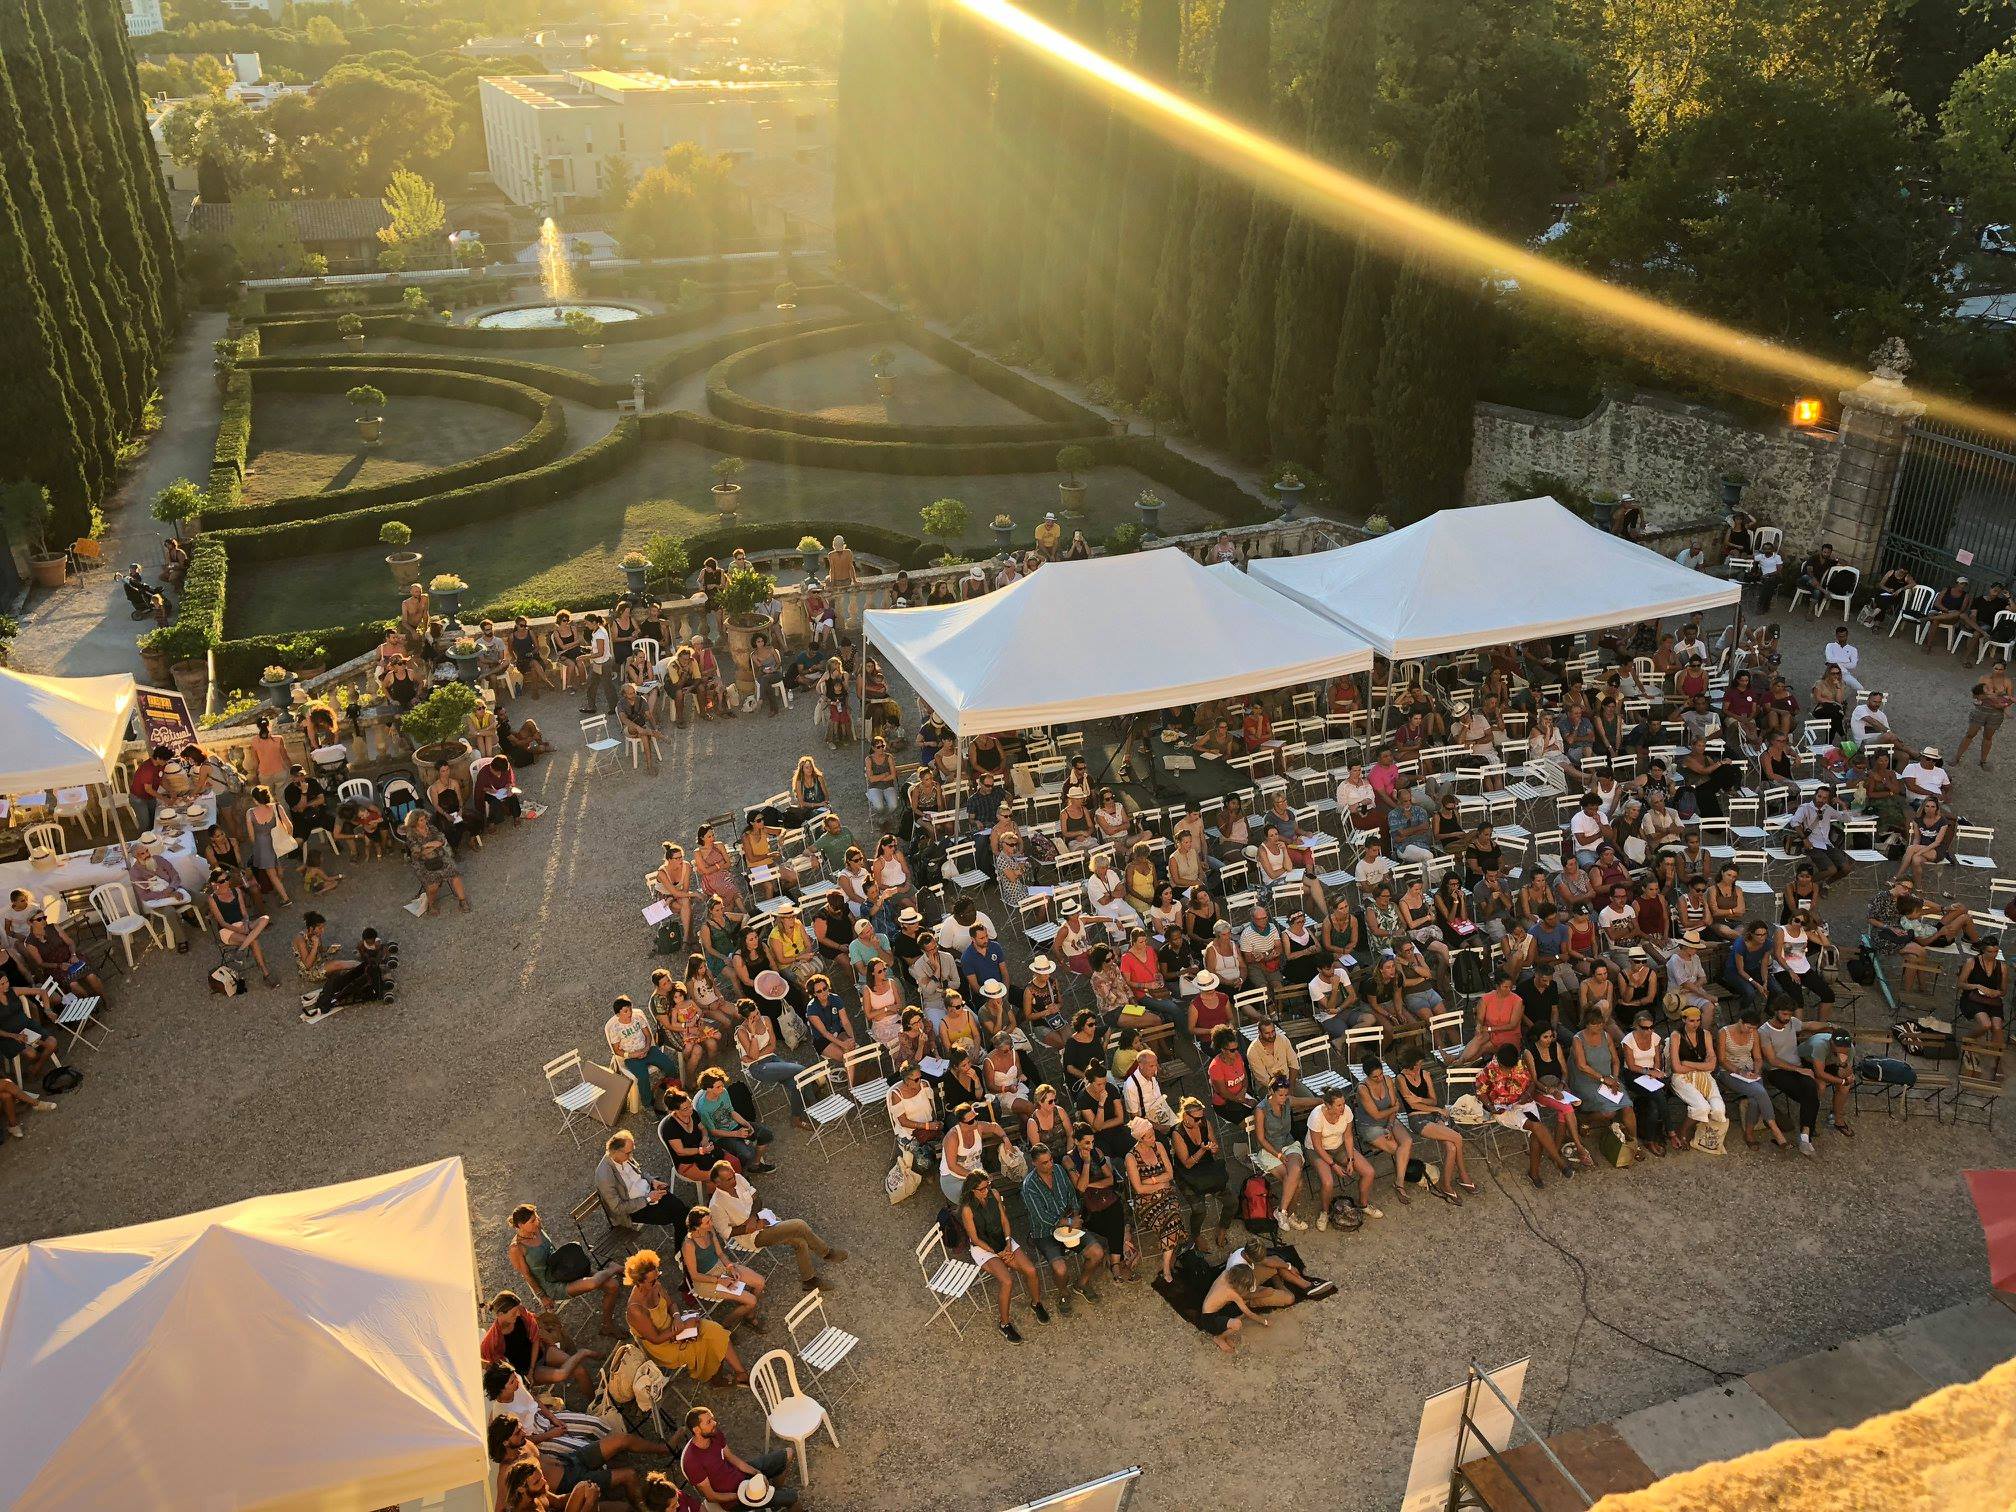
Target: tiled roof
[(315, 220)]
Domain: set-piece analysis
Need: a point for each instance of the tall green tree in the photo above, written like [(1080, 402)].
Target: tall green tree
[(1151, 167), (105, 27), (416, 231), (1430, 359), (855, 128), (1249, 360), (1040, 158), (1171, 311), (958, 133), (1316, 259), (1348, 459), (1239, 91), (1082, 118)]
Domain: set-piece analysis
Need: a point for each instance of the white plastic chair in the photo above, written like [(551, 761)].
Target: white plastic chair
[(572, 1094), (1916, 609), (45, 839), (2000, 638), (1839, 588), (357, 790), (787, 1411), (113, 903)]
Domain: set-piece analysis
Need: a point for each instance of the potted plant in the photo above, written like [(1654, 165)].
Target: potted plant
[(1378, 524), (744, 593), (786, 295), (945, 520), (370, 403), (434, 727), (1072, 460), (1149, 504), (727, 492), (414, 302), (636, 571), (405, 564), (465, 653), (810, 549), (303, 655), (274, 682), (24, 510), (885, 381), (1004, 530), (667, 555), (1125, 538), (1289, 483), (188, 654), (1732, 489), (154, 657), (351, 329), (589, 329), (178, 503), (447, 590)]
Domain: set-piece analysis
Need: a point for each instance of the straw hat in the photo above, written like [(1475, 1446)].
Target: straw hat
[(1042, 966), (1206, 980), (994, 989), (772, 987)]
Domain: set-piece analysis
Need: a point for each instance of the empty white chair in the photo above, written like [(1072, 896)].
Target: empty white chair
[(74, 1013), (830, 1111), (357, 790), (44, 839), (822, 1348), (787, 1411), (113, 903), (1916, 610), (867, 1078), (949, 1280), (596, 739), (573, 1095)]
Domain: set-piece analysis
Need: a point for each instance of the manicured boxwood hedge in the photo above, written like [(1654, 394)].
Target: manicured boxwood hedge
[(546, 439), (199, 616), (234, 442), (239, 663), (339, 298), (1202, 485), (565, 382), (702, 355), (279, 332), (726, 400), (1023, 393), (441, 511), (906, 458)]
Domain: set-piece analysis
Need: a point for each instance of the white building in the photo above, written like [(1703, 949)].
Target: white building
[(143, 17), (549, 135)]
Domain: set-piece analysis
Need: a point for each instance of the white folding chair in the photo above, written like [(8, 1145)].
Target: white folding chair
[(1759, 885), (1321, 1079), (74, 1013), (113, 903), (1445, 1034), (831, 1112), (949, 1280), (596, 739), (1971, 846), (872, 1092), (573, 1095), (965, 873), (822, 1348)]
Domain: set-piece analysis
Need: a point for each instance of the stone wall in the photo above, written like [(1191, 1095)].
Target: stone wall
[(1669, 454)]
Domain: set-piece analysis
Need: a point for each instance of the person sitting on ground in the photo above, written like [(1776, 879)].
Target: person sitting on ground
[(673, 1338), (1226, 1304), (732, 1201), (515, 1338)]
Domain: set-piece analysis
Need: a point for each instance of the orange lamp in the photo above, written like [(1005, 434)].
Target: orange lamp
[(1806, 411)]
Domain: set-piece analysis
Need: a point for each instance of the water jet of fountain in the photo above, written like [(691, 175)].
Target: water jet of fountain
[(556, 274)]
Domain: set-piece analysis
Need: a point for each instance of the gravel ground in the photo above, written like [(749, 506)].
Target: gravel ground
[(1735, 1264)]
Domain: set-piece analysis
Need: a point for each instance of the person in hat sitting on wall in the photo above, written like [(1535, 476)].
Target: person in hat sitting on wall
[(1049, 537)]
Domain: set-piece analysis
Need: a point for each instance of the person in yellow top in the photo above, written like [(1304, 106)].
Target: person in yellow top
[(790, 947), (1049, 535), (678, 1341)]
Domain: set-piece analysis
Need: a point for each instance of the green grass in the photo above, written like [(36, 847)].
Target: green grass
[(572, 546), (841, 386), (307, 443)]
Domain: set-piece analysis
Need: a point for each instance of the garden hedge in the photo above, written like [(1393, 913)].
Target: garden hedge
[(340, 297), (725, 399), (904, 458), (540, 444), (1024, 393), (1202, 485), (565, 382), (280, 332), (440, 511)]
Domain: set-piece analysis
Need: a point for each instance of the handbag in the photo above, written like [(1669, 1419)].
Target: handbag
[(791, 1027), (284, 843), (1014, 1164), (902, 1181), (570, 1262), (1614, 1147)]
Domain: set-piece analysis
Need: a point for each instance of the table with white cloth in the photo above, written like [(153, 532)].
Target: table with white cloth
[(78, 870)]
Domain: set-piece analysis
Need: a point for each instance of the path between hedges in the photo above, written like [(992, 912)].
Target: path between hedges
[(86, 629)]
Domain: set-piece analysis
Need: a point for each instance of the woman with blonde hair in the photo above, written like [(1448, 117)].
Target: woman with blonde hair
[(679, 1340)]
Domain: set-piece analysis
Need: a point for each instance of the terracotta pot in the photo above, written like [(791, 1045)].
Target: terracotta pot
[(155, 665), (727, 498), (355, 343), (593, 352), (742, 633), (1071, 498), (885, 385), (429, 759), (49, 570), (192, 681), (405, 567)]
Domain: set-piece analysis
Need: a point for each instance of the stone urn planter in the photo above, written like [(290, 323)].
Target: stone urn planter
[(465, 662), (635, 579), (192, 681), (448, 601), (727, 499), (369, 427), (809, 560), (1004, 532), (1732, 489), (885, 385), (48, 569), (405, 567), (742, 632), (1071, 499), (155, 665), (1291, 498), (1150, 509), (355, 343), (593, 353), (429, 759), (277, 692)]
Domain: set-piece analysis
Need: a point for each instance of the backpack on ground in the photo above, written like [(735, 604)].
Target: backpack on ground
[(226, 981)]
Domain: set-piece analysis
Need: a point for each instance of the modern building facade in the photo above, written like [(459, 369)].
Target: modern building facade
[(550, 135), (143, 17)]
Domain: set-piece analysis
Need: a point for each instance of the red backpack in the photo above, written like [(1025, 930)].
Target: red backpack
[(1254, 1199)]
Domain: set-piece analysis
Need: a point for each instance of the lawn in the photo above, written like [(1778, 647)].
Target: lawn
[(572, 546), (841, 386), (307, 443)]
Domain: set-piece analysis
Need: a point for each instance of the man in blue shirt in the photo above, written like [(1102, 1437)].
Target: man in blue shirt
[(1410, 828), (1050, 1200), (1550, 935), (982, 962)]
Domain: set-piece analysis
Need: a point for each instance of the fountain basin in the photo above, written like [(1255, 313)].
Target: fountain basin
[(551, 316)]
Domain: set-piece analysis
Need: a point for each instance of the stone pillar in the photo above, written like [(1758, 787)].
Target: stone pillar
[(1874, 419)]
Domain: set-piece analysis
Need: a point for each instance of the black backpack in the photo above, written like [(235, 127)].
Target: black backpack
[(952, 1229)]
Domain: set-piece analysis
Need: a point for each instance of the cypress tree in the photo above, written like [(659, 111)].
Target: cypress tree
[(1316, 260), (1082, 118), (964, 74), (1041, 160), (1172, 290), (1249, 365), (1102, 250), (1152, 166), (45, 440), (1427, 379), (1348, 459), (1218, 227), (105, 29), (74, 241), (1017, 183), (903, 159), (855, 128)]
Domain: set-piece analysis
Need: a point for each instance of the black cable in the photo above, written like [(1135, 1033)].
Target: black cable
[(1589, 1313)]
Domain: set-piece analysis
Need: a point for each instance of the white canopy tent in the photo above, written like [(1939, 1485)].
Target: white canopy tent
[(1107, 637), (1489, 574), (61, 731), (312, 1349)]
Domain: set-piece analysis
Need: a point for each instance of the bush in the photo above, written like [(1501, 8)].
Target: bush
[(179, 502), (395, 533), (727, 469), (668, 558), (367, 397), (199, 618), (300, 650), (633, 560), (439, 717), (907, 458), (1125, 538), (744, 591), (234, 424), (446, 582), (544, 377), (810, 543), (349, 325), (415, 302), (586, 328), (945, 519), (1073, 460)]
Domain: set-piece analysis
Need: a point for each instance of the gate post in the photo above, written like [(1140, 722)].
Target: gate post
[(1875, 419)]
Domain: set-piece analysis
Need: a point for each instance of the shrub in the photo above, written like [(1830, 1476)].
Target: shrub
[(237, 709), (273, 674), (544, 377), (1125, 538), (438, 718), (584, 326), (1287, 475), (945, 519), (882, 360), (366, 397), (446, 582), (349, 325), (1378, 524), (667, 555), (727, 470), (1074, 459), (9, 628), (743, 591), (301, 650), (810, 543), (179, 502), (635, 559), (464, 646), (395, 533), (234, 425), (415, 302), (1004, 522)]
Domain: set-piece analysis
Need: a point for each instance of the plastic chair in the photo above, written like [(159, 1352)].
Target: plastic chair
[(45, 839), (113, 903), (787, 1411)]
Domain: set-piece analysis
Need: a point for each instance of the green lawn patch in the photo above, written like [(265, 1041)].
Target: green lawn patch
[(308, 443)]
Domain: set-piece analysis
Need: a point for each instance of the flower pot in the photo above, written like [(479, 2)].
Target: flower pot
[(465, 666), (742, 632), (634, 579), (405, 567), (885, 385), (155, 665), (593, 352), (429, 759), (1151, 518), (809, 560), (310, 670), (275, 693), (727, 498), (355, 343), (49, 569), (448, 601), (1291, 498), (1120, 424), (1071, 499), (369, 430), (1732, 492), (192, 681), (1004, 536)]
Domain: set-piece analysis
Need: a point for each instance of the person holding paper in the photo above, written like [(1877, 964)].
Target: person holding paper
[(732, 1201), (713, 1276), (1740, 1072), (1691, 1053), (1644, 1056)]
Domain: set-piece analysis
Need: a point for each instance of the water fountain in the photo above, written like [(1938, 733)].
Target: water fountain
[(556, 279)]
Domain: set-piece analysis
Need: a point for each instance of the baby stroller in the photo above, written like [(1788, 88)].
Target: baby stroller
[(399, 795)]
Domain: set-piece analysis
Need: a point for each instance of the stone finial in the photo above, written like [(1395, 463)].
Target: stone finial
[(1892, 360)]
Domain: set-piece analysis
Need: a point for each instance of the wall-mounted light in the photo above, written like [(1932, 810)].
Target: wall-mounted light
[(1807, 411)]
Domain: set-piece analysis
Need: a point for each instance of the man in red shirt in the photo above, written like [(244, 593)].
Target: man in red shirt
[(146, 784), (717, 1472)]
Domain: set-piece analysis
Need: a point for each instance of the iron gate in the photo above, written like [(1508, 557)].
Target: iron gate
[(1952, 508)]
